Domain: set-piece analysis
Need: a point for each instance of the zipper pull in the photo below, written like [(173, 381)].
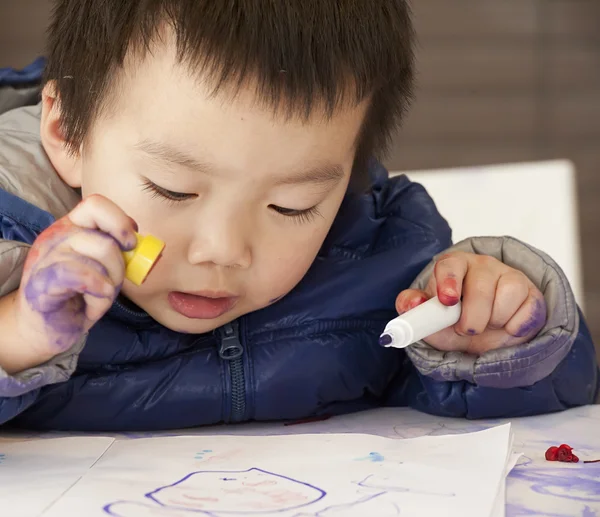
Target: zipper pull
[(231, 346)]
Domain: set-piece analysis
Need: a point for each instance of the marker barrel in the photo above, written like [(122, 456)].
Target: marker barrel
[(422, 321)]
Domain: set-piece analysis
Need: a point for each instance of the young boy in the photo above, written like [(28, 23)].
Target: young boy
[(243, 134)]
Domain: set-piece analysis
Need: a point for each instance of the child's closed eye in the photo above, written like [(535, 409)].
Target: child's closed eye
[(163, 193), (303, 216)]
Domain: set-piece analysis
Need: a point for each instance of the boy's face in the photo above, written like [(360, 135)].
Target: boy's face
[(243, 198)]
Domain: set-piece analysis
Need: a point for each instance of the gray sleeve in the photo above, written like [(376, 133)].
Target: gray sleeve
[(60, 367), (11, 98), (516, 366)]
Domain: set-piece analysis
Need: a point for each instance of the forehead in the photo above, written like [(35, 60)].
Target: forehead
[(157, 89)]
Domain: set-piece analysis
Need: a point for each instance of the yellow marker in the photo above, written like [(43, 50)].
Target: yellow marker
[(140, 260)]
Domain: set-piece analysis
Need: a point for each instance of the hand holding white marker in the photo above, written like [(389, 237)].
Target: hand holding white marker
[(418, 323)]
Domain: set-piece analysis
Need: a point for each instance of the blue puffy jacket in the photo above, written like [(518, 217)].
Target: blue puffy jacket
[(314, 352)]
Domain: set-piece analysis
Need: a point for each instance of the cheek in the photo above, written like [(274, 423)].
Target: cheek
[(291, 263), (285, 264), (106, 170), (100, 178), (122, 187)]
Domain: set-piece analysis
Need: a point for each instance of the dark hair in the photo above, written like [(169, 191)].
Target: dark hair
[(298, 52)]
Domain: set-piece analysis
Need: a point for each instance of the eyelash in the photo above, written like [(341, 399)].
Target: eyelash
[(301, 216), (164, 194)]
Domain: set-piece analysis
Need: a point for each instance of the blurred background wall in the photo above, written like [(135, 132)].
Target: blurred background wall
[(499, 81)]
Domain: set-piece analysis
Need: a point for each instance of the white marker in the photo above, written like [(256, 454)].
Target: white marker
[(418, 323)]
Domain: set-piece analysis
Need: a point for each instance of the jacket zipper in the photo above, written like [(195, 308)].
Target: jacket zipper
[(231, 350), (118, 307)]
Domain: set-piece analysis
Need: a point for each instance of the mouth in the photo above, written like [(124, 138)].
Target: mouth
[(202, 305)]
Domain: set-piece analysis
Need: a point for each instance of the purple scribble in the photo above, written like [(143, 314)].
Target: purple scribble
[(524, 461), (578, 484), (471, 332), (514, 510), (536, 321)]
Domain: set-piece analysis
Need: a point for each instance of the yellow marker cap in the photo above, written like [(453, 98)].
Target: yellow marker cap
[(140, 260)]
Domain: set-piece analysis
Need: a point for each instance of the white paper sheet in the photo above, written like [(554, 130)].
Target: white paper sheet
[(33, 474), (534, 487), (294, 476)]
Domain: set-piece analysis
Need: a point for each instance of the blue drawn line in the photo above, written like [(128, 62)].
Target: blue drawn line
[(338, 507), (123, 509), (200, 455), (109, 509), (373, 456), (153, 495), (321, 493), (383, 483)]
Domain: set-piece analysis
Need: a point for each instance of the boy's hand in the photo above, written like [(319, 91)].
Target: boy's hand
[(72, 275), (500, 305)]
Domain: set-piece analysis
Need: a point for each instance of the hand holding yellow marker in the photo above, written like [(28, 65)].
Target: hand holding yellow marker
[(140, 260)]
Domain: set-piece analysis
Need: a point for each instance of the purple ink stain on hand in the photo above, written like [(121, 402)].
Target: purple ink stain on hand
[(56, 293), (130, 240), (536, 320)]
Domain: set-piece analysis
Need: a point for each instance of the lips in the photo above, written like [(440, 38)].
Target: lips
[(203, 305)]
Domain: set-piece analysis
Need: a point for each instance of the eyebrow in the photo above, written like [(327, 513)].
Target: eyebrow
[(325, 173), (167, 154), (321, 174)]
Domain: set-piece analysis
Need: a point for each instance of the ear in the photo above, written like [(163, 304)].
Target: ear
[(66, 162)]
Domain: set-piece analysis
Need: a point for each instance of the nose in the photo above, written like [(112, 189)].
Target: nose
[(221, 240)]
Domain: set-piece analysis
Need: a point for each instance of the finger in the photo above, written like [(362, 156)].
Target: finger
[(409, 299), (449, 274), (76, 315), (531, 316), (97, 306), (101, 248), (511, 292), (479, 289), (49, 288), (99, 213)]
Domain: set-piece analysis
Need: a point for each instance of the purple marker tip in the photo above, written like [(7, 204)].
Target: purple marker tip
[(385, 340)]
